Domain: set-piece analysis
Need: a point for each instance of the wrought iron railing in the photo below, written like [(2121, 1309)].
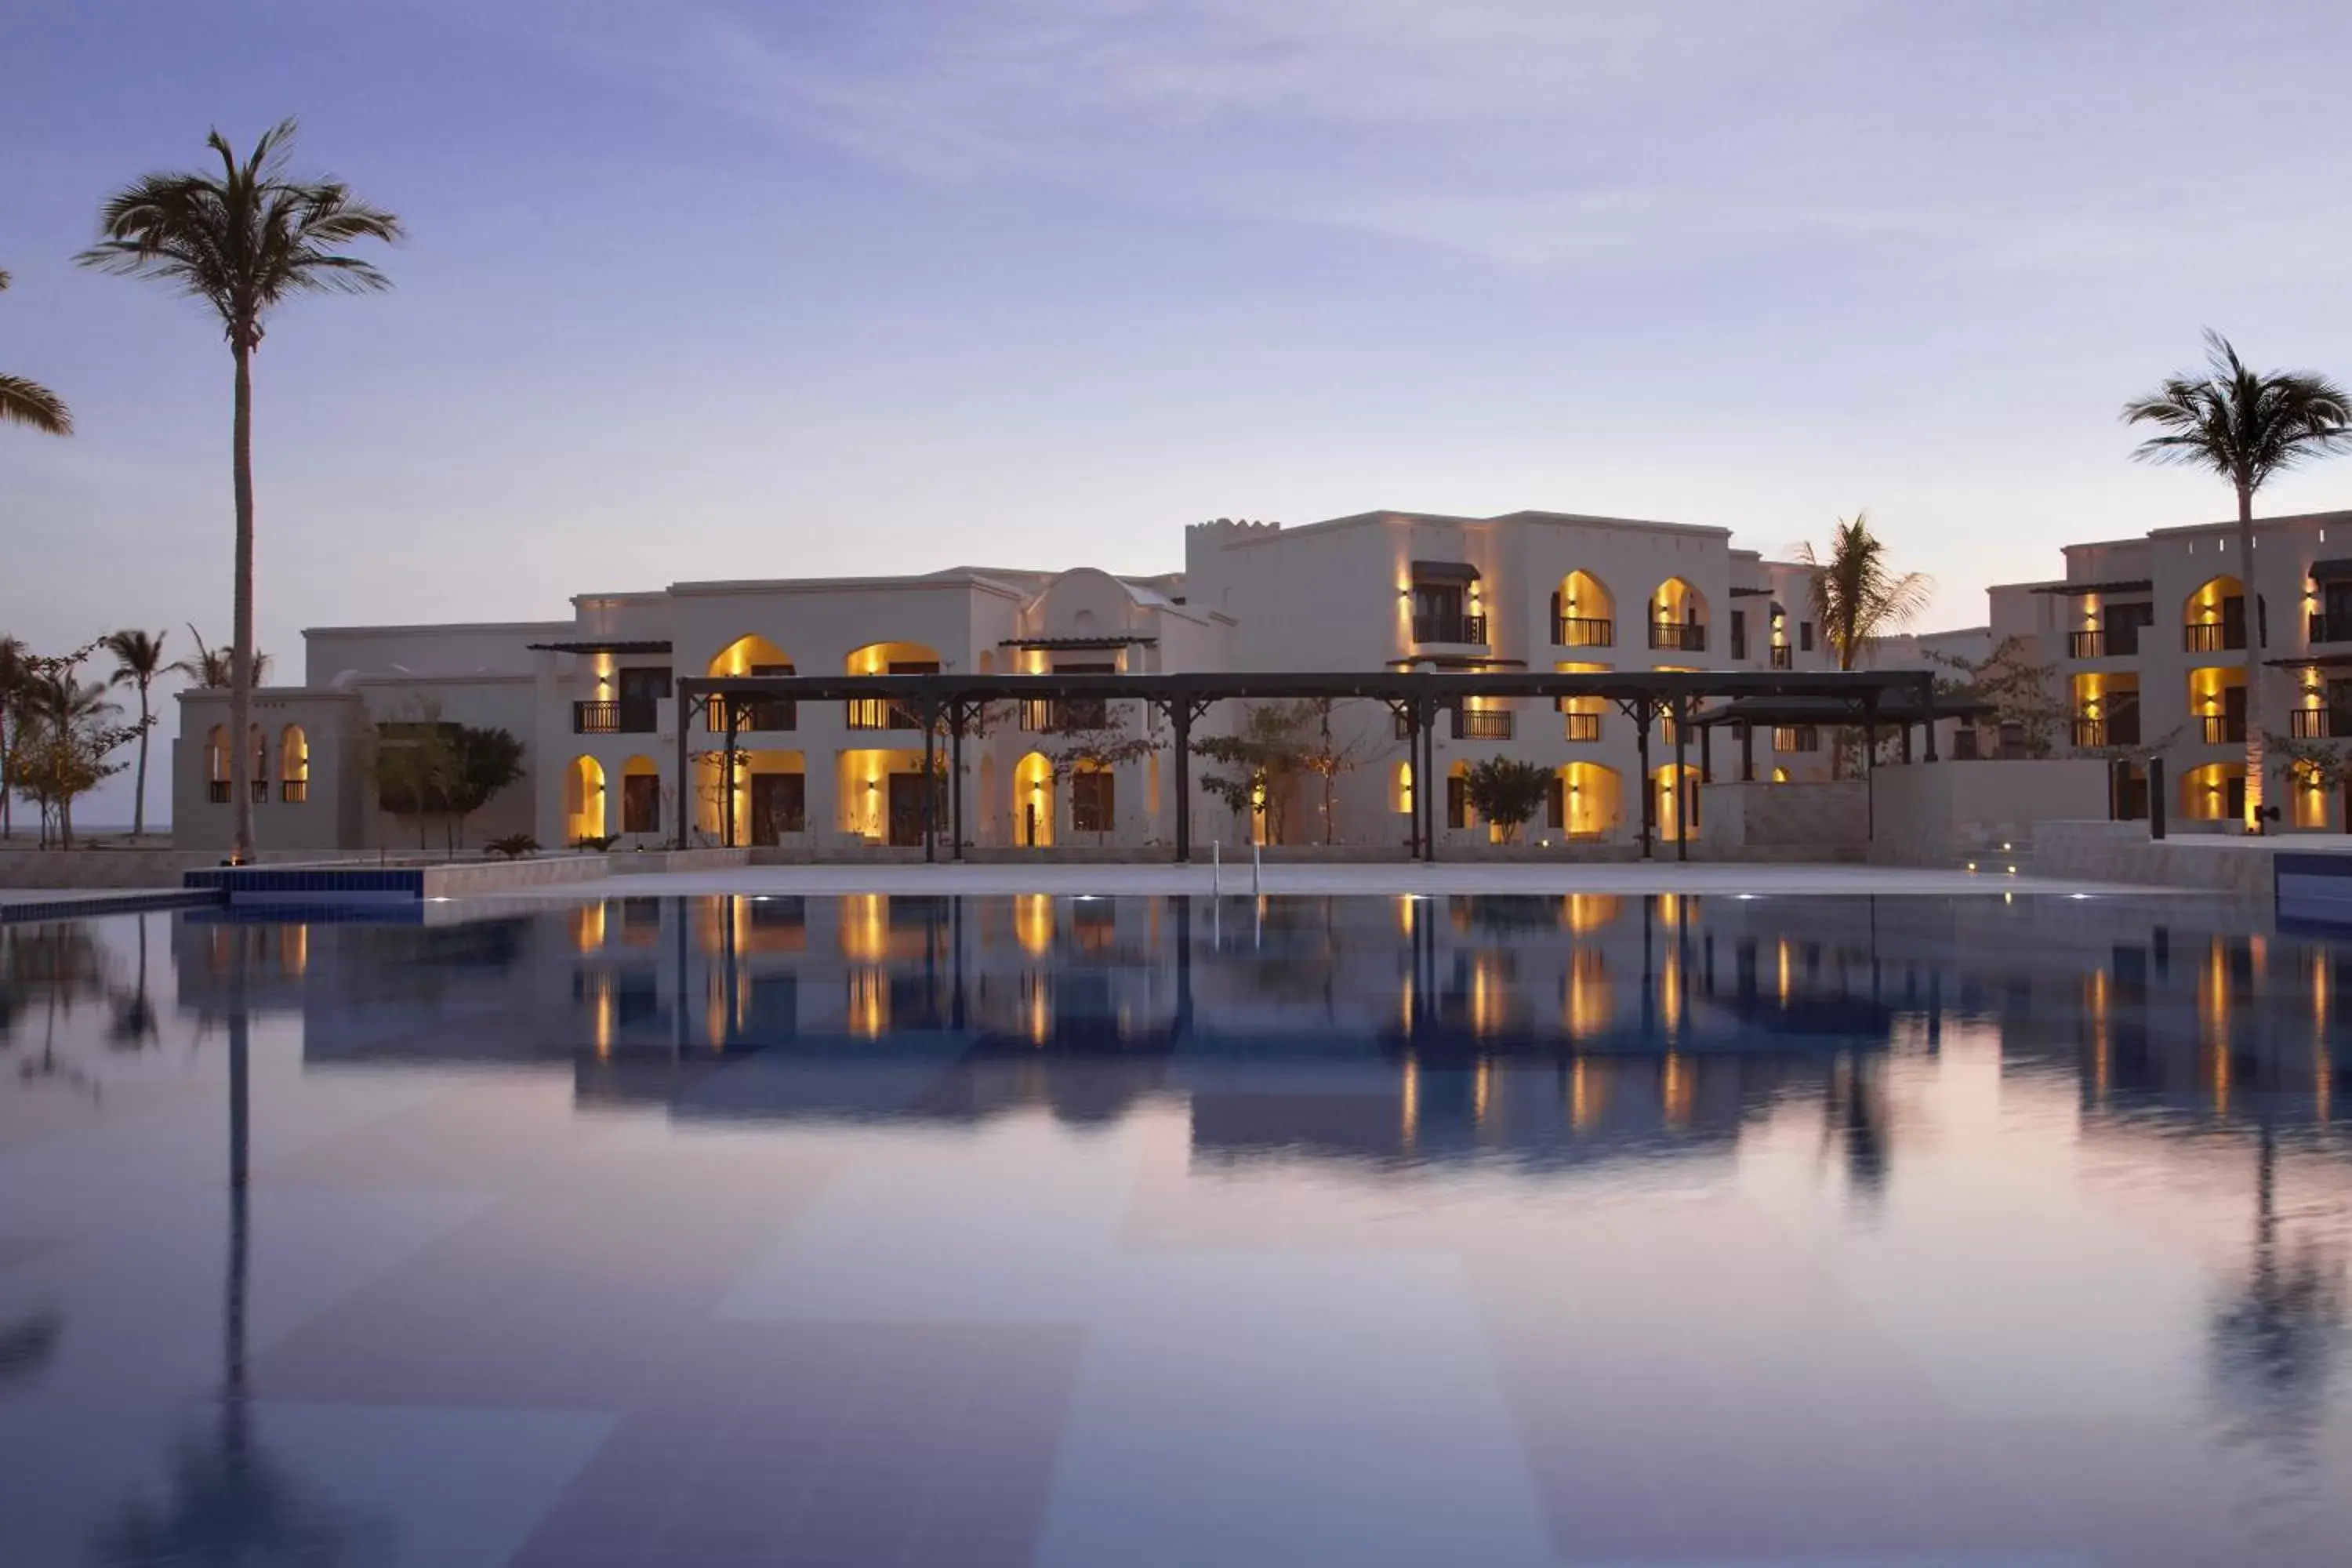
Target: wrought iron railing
[(757, 714), (1584, 727), (1783, 657), (613, 718), (2212, 636), (294, 791), (2319, 724), (2224, 729)]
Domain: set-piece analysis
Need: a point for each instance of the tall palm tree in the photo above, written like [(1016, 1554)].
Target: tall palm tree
[(138, 660), (244, 241), (212, 669), (1857, 598), (29, 403), (2245, 427), (13, 675)]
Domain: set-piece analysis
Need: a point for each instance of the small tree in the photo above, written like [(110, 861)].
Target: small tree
[(486, 763), (2022, 692), (62, 739), (1507, 792), (414, 764), (1262, 762), (1329, 755), (2324, 766)]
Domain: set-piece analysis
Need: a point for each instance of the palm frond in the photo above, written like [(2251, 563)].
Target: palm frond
[(244, 240), (1856, 598), (2239, 423), (30, 404)]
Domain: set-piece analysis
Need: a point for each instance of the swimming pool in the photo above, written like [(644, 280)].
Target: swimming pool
[(1091, 1231)]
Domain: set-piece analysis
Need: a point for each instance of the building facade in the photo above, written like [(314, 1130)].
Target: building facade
[(589, 697), (2152, 644)]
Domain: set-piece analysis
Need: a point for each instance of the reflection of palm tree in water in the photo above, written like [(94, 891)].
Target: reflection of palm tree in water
[(2276, 1340), (230, 1503)]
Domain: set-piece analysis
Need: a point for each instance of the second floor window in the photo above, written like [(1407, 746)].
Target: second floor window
[(1804, 637)]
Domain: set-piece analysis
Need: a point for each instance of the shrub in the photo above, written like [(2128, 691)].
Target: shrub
[(596, 842), (514, 845)]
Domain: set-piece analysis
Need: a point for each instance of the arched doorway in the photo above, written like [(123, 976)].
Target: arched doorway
[(293, 765), (1033, 802), (2214, 793), (1585, 800), (584, 800), (1676, 791), (1678, 617)]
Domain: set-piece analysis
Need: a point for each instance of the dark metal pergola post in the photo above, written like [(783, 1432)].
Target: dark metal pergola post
[(1927, 707), (1747, 750), (1426, 725), (1644, 712), (929, 714), (957, 716), (1682, 813), (1870, 765), (686, 709), (1180, 719)]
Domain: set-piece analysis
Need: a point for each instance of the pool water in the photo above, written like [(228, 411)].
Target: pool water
[(1085, 1232)]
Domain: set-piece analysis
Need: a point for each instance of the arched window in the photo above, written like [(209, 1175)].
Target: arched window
[(2214, 617), (293, 765), (753, 655), (216, 765), (1678, 617), (1583, 613)]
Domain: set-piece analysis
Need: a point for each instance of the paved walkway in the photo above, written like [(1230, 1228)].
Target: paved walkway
[(1307, 879)]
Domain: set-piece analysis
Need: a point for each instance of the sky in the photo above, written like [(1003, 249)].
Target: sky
[(782, 290)]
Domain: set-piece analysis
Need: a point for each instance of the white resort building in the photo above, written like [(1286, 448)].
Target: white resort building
[(589, 697)]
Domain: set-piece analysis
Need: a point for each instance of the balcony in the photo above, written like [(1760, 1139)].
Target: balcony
[(880, 714), (2212, 636), (216, 791), (1681, 636), (1468, 630), (2320, 725), (2225, 728), (1483, 724), (294, 791), (1583, 631), (1794, 739), (2326, 628), (1054, 715), (1584, 727), (1783, 657), (752, 713), (2123, 730), (613, 718)]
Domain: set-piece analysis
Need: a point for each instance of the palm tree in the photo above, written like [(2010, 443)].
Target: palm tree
[(138, 660), (1856, 599), (29, 403), (12, 673), (2244, 426), (244, 241), (212, 669)]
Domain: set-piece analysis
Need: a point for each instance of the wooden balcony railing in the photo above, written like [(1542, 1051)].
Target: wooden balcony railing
[(1783, 657), (2326, 628), (1483, 724), (1682, 637), (1584, 727), (216, 791), (1469, 630), (294, 791), (1583, 631), (2225, 728), (2212, 636), (880, 714), (613, 718), (756, 713), (2319, 724)]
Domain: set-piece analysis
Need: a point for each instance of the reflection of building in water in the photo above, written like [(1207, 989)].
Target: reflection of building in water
[(1533, 1024)]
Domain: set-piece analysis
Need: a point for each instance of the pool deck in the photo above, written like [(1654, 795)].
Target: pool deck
[(1665, 877)]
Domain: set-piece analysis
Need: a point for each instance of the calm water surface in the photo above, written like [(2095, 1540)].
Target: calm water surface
[(1087, 1232)]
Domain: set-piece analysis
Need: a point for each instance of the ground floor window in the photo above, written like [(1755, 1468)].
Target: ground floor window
[(778, 806), (1458, 802), (641, 803), (1092, 802)]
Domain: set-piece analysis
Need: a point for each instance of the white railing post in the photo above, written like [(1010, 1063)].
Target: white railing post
[(1258, 872), (1216, 869)]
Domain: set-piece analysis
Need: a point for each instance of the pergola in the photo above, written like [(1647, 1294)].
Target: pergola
[(948, 705)]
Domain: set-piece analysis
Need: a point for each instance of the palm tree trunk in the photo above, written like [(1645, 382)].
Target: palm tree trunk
[(2254, 823), (7, 793), (240, 683), (138, 803)]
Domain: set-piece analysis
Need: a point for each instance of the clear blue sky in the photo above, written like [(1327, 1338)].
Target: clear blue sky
[(828, 287)]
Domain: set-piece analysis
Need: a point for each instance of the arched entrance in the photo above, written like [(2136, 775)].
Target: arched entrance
[(584, 800), (1033, 802)]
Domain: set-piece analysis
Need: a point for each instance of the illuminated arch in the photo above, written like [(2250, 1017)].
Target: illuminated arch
[(293, 764), (1584, 612), (2205, 792), (1033, 802), (1672, 786), (1591, 799), (584, 800)]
